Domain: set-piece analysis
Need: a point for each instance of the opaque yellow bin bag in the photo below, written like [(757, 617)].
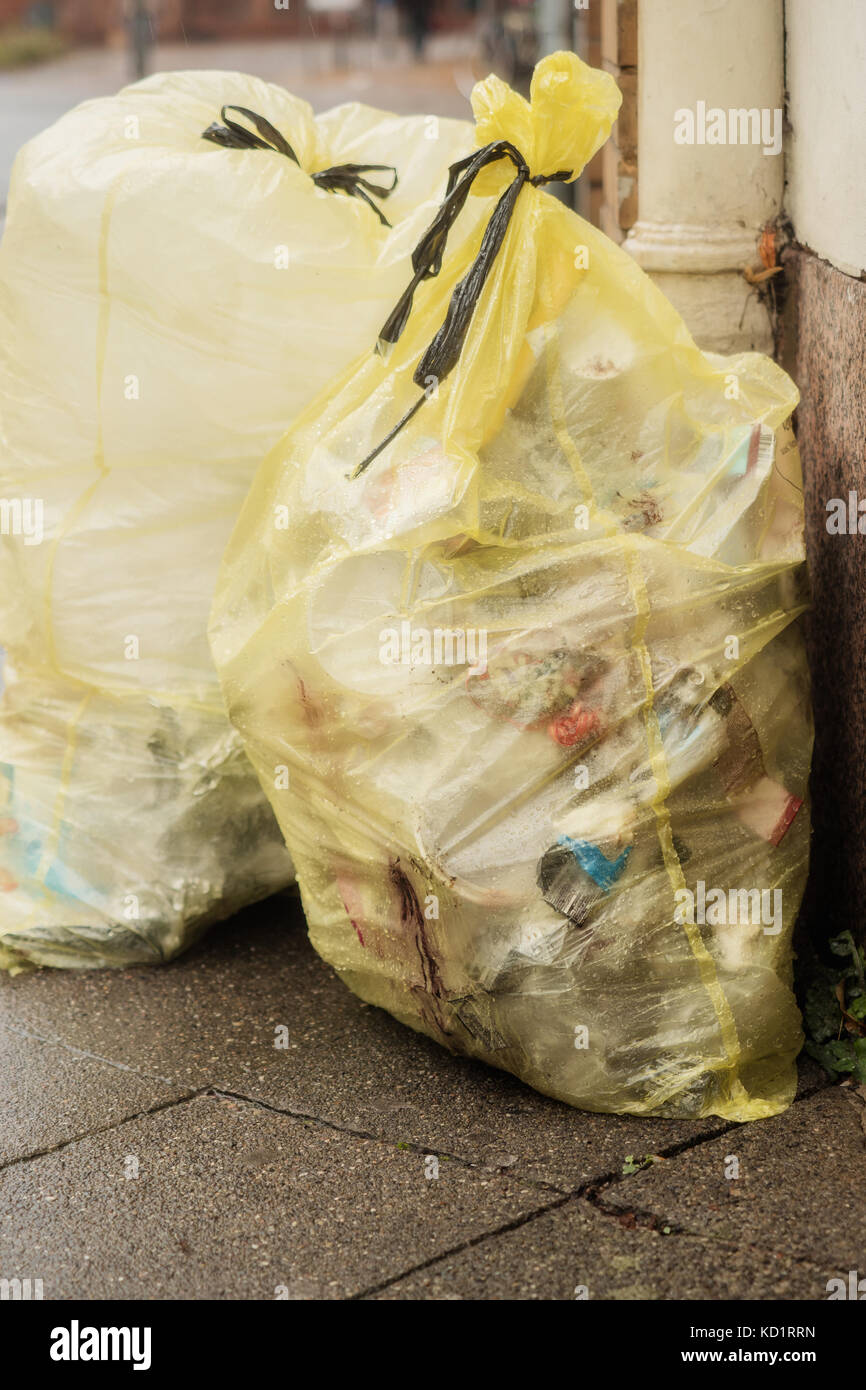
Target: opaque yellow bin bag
[(529, 652), (167, 306)]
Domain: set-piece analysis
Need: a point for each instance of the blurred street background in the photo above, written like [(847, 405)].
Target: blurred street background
[(400, 55)]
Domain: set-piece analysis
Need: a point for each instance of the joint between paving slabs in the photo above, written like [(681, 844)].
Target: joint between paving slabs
[(82, 1052), (104, 1129), (590, 1194), (570, 1199), (643, 1218), (470, 1244), (409, 1145), (590, 1190), (53, 1041)]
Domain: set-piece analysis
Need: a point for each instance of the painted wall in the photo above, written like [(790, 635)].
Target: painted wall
[(826, 149)]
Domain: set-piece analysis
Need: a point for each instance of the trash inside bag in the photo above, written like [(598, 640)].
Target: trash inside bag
[(528, 649), (185, 266)]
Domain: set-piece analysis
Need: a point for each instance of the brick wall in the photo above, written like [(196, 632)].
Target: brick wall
[(618, 47), (823, 346), (12, 11)]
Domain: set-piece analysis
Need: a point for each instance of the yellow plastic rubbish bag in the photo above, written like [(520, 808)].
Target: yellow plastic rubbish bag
[(168, 304), (528, 649)]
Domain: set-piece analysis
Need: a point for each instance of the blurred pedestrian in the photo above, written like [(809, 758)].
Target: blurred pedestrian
[(418, 14), (139, 30)]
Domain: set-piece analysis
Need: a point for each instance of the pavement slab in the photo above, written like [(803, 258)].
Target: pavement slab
[(304, 1166), (380, 1078), (209, 1017), (576, 1252), (50, 1095), (232, 1201), (799, 1194)]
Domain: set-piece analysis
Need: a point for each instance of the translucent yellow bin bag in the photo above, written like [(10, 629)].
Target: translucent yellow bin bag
[(529, 652), (167, 307)]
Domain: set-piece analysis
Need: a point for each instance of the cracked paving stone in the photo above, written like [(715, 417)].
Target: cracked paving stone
[(799, 1194), (575, 1247), (232, 1201), (208, 1017), (49, 1095)]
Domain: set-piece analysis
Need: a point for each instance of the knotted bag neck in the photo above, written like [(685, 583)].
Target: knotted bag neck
[(342, 178), (444, 351)]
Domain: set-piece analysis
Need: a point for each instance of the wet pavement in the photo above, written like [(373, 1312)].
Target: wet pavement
[(237, 1125)]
